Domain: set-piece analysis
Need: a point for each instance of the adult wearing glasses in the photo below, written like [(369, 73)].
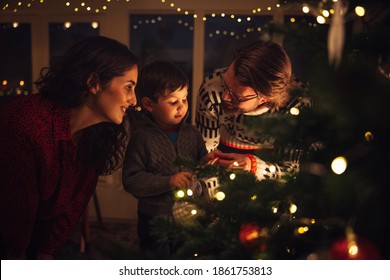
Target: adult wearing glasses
[(257, 83)]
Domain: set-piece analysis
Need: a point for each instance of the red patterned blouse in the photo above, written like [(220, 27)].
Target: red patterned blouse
[(44, 190)]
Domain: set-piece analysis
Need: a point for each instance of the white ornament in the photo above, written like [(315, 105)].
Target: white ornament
[(336, 34)]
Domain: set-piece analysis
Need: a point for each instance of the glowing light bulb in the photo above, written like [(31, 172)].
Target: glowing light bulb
[(321, 19), (190, 192), (232, 176), (95, 24), (360, 11), (180, 194), (293, 208), (305, 9), (67, 24), (219, 196), (194, 212), (369, 136), (339, 165), (294, 111)]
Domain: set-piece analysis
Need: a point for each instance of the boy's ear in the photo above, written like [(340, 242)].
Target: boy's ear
[(147, 103), (93, 83)]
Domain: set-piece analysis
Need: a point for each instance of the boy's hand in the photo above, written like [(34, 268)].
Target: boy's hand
[(181, 180)]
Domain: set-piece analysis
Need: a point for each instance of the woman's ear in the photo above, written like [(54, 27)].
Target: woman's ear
[(147, 103), (93, 83)]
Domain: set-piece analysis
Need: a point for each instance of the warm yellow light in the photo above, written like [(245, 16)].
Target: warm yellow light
[(269, 8), (190, 192), (15, 24), (360, 11), (321, 19), (274, 210), (248, 19), (67, 24), (339, 165), (232, 176), (353, 249), (180, 194), (305, 9), (292, 19), (178, 9), (235, 163), (294, 111), (204, 18), (301, 230), (325, 13), (272, 168), (223, 15), (195, 16), (219, 196), (369, 136), (94, 24), (194, 212), (293, 208), (4, 83), (67, 4), (254, 197), (172, 5), (21, 83), (82, 4)]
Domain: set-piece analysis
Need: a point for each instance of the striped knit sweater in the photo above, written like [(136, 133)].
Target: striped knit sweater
[(229, 130)]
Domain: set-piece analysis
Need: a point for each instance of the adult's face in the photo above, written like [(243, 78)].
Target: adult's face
[(237, 98)]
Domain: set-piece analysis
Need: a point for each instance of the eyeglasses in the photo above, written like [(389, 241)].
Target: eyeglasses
[(233, 95)]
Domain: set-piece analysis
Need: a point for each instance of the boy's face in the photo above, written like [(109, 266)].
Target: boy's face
[(170, 109)]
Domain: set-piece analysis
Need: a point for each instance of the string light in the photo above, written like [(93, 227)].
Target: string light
[(360, 11), (339, 165), (219, 196)]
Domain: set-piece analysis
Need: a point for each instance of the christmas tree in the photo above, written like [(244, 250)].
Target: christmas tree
[(336, 206)]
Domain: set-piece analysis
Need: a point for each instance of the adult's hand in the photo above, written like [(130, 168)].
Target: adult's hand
[(233, 160)]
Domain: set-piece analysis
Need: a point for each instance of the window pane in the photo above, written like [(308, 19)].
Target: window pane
[(15, 59), (63, 36), (224, 35), (164, 37)]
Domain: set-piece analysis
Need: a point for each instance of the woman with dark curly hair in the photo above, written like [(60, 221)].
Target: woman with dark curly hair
[(55, 144)]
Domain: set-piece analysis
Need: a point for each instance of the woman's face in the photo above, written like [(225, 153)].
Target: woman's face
[(113, 101)]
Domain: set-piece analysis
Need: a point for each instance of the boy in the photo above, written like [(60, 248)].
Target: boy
[(161, 134)]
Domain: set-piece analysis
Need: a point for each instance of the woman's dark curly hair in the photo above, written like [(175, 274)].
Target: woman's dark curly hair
[(65, 83)]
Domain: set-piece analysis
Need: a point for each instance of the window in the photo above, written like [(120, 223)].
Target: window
[(224, 35), (164, 37), (15, 57), (64, 35)]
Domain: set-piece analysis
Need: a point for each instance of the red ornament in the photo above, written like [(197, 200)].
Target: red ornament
[(251, 236), (356, 248)]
